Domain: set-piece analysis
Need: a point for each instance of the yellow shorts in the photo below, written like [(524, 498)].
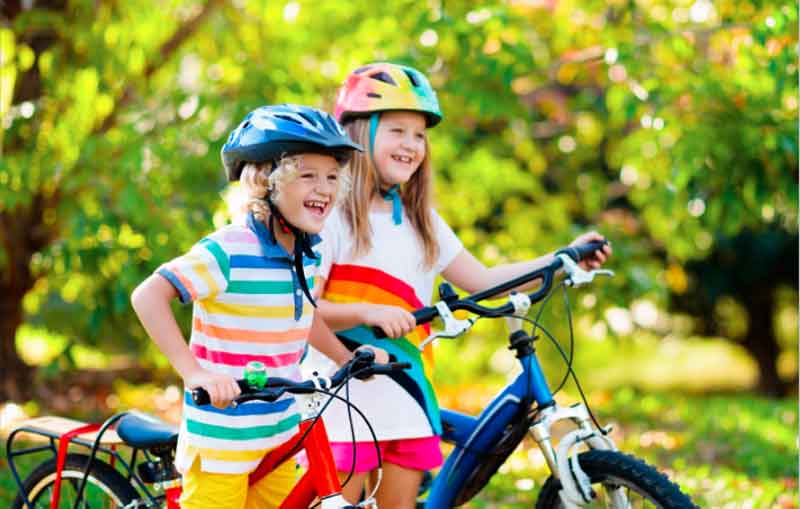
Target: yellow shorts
[(207, 490)]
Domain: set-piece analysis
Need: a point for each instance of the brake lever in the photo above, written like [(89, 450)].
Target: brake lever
[(453, 327), (576, 276)]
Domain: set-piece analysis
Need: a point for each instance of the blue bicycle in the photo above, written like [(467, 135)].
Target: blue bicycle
[(600, 476)]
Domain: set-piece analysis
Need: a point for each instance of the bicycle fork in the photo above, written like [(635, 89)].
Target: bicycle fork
[(576, 491)]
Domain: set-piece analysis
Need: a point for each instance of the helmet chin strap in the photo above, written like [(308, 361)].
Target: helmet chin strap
[(393, 195), (302, 245)]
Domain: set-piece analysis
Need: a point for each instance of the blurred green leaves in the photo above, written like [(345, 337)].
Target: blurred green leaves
[(662, 124)]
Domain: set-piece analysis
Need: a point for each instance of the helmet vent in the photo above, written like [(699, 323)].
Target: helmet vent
[(307, 118), (382, 76), (363, 69), (289, 118), (411, 78), (373, 94)]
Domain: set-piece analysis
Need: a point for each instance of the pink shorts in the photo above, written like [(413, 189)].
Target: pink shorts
[(414, 453)]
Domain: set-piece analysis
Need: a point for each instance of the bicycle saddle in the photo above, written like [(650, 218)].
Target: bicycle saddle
[(144, 431)]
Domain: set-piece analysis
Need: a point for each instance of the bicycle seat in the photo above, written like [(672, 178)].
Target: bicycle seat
[(144, 431)]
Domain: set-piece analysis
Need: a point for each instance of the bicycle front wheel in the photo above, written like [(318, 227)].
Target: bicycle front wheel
[(105, 487), (619, 479)]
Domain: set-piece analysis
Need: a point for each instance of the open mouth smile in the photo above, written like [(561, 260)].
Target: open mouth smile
[(316, 207), (402, 159)]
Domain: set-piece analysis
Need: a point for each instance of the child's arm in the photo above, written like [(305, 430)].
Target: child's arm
[(468, 273), (395, 321), (151, 301), (321, 338)]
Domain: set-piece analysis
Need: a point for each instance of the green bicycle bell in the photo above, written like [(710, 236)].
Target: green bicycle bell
[(255, 374)]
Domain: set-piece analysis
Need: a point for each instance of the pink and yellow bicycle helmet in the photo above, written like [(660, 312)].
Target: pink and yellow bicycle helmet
[(382, 87)]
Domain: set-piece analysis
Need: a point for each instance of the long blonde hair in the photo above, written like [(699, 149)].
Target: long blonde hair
[(416, 196)]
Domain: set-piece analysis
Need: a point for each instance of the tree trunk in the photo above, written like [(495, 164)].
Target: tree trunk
[(761, 342), (19, 246), (23, 230), (22, 234), (15, 383)]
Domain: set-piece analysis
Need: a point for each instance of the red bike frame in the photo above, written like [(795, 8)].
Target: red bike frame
[(319, 481)]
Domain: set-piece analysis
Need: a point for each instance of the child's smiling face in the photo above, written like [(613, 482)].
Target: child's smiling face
[(306, 200), (399, 147)]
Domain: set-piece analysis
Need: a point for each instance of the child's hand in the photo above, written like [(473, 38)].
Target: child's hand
[(222, 389), (395, 321), (599, 257)]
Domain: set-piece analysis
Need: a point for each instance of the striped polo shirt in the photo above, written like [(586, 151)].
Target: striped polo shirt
[(247, 306)]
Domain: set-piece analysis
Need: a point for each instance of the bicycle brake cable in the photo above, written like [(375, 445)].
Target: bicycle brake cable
[(570, 371), (352, 427), (331, 395), (537, 324), (334, 395)]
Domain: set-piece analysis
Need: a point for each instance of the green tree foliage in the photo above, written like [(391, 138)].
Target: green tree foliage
[(668, 125)]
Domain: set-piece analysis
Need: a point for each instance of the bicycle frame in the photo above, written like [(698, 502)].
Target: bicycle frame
[(476, 437), (319, 481)]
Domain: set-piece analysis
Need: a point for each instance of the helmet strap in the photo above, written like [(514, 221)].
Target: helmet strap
[(302, 243), (374, 119), (393, 195)]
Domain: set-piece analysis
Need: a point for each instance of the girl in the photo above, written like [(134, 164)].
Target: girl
[(384, 246), (247, 282)]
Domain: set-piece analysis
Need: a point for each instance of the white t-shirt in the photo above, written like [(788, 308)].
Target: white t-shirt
[(393, 272)]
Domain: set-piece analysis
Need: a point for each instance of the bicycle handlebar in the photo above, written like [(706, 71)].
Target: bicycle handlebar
[(362, 365), (470, 303)]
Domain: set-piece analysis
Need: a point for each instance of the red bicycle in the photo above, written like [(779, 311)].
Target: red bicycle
[(148, 479)]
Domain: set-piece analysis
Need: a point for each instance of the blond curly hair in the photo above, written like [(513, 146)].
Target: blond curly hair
[(258, 182)]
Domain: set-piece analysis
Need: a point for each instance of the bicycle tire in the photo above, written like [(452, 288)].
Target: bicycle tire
[(611, 469), (103, 484)]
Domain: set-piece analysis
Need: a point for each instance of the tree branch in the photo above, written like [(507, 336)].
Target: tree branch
[(164, 54)]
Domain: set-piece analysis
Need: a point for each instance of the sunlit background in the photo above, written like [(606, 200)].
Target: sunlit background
[(670, 126)]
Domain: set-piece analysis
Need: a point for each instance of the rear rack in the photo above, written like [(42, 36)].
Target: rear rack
[(59, 433)]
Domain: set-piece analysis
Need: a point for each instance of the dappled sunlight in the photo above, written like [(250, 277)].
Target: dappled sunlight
[(39, 346), (11, 415), (669, 127)]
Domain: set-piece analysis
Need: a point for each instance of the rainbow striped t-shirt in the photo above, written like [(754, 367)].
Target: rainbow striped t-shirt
[(248, 305), (402, 404)]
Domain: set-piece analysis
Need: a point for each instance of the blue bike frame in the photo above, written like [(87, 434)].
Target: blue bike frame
[(474, 437)]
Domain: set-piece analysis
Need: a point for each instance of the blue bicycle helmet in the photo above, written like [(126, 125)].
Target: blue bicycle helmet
[(270, 132)]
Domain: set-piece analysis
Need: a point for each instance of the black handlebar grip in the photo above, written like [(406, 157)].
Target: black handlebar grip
[(200, 396), (579, 253), (364, 356)]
